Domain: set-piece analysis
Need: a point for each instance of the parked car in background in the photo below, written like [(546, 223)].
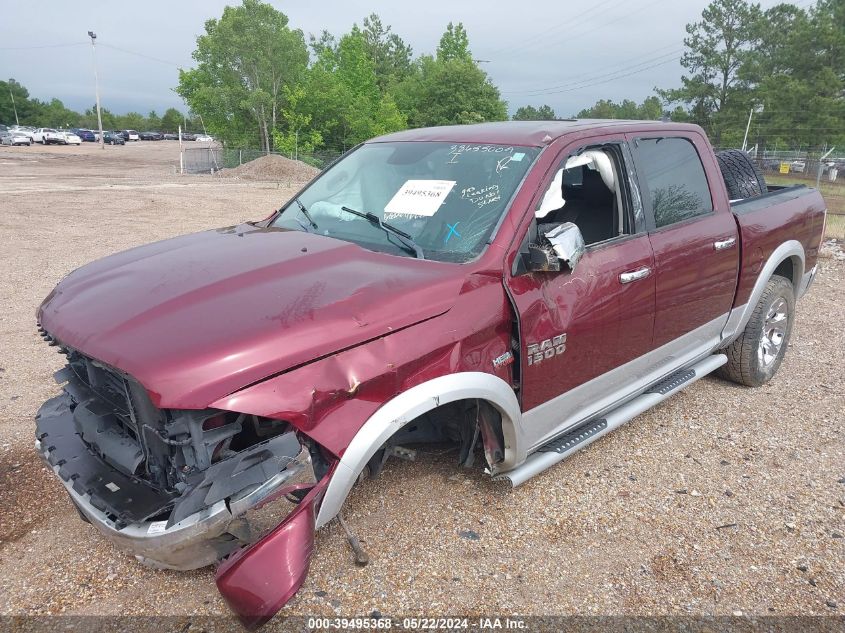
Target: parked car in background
[(150, 136), (113, 138), (205, 138), (14, 137), (71, 137), (86, 135), (518, 289), (170, 136), (48, 136), (26, 130), (188, 136), (797, 166), (130, 135)]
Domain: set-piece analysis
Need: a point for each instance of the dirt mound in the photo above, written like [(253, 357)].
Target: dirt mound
[(274, 168)]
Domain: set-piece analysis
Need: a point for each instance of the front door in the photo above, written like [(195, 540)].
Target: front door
[(579, 326)]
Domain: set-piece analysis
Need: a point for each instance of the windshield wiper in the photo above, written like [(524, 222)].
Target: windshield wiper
[(407, 240), (306, 214)]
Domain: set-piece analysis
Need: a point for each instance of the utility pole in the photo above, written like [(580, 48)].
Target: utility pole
[(748, 127), (13, 105), (93, 37)]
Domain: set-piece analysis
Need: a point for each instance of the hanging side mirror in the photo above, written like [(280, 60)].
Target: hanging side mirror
[(559, 244)]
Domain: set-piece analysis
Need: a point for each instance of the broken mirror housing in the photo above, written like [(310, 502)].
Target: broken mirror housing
[(560, 243), (567, 243)]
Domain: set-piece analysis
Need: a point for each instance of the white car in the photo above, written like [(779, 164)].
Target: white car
[(14, 137), (71, 138), (26, 130), (204, 138), (47, 135)]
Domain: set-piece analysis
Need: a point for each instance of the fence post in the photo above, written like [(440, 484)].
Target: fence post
[(240, 157)]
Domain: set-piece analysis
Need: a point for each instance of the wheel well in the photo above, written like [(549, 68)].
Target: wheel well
[(467, 424), (790, 269)]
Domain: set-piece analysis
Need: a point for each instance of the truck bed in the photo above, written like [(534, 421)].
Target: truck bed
[(764, 221)]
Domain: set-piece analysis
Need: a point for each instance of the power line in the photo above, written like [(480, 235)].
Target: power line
[(580, 34), (619, 74), (568, 23), (30, 48), (142, 55), (592, 75)]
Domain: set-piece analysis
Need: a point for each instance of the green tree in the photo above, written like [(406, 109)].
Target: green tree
[(14, 97), (716, 49), (171, 120), (449, 88), (530, 113), (244, 60), (799, 75), (449, 92), (390, 55), (298, 137), (153, 121), (650, 109), (53, 113), (454, 44), (344, 100)]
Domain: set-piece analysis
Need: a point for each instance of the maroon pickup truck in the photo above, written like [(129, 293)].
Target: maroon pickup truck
[(518, 289)]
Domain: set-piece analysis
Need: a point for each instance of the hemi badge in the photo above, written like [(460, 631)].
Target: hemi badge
[(504, 359)]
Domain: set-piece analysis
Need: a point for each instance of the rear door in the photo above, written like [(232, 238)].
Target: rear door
[(693, 235), (577, 327)]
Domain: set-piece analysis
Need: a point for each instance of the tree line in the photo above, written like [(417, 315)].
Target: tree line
[(258, 82), (16, 104)]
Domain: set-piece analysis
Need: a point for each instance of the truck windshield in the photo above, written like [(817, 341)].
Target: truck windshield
[(448, 197)]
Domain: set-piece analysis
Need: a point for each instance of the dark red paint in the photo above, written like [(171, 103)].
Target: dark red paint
[(258, 580), (322, 333)]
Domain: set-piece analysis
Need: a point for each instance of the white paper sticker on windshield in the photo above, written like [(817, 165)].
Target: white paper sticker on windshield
[(419, 197)]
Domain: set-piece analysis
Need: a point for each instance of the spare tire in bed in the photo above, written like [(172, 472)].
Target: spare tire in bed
[(743, 178)]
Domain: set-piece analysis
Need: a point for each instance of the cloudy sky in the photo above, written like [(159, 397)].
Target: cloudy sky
[(567, 54)]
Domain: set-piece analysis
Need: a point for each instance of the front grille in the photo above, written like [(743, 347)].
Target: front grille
[(106, 414)]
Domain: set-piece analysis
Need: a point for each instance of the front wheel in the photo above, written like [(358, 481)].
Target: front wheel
[(754, 357)]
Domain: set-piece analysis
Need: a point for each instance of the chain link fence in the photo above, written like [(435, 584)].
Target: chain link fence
[(208, 160)]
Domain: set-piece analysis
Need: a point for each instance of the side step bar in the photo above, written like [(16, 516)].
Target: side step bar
[(572, 441)]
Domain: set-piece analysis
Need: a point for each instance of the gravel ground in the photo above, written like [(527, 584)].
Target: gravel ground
[(721, 500)]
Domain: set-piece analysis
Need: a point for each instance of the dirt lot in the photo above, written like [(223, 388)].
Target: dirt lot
[(722, 500)]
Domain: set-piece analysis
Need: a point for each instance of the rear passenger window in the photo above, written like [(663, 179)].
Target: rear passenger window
[(672, 171)]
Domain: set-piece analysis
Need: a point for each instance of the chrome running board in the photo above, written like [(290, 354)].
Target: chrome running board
[(574, 440)]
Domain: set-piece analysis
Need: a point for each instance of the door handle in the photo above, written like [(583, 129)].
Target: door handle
[(721, 245), (634, 275)]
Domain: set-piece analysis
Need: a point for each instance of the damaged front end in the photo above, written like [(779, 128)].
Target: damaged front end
[(183, 489)]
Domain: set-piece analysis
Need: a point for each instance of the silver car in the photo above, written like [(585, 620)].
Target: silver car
[(14, 137)]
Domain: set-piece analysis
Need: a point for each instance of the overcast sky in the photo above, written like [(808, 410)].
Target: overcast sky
[(566, 54)]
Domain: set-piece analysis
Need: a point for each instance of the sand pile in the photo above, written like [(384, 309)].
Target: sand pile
[(273, 168)]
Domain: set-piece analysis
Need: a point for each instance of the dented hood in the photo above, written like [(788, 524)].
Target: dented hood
[(197, 317)]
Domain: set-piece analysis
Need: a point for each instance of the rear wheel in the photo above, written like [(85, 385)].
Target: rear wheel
[(754, 358), (742, 177)]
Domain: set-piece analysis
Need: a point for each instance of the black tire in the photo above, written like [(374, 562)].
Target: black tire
[(743, 178), (750, 358)]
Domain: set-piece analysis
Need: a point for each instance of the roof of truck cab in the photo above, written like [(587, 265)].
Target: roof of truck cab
[(531, 133)]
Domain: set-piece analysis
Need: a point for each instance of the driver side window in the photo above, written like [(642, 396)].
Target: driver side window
[(589, 190)]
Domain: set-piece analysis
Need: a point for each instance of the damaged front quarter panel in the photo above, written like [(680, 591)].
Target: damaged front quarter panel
[(258, 580)]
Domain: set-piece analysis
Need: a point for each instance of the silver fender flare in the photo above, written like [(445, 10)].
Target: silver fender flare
[(409, 405), (740, 315)]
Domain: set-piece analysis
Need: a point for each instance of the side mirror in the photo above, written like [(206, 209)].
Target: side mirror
[(560, 243)]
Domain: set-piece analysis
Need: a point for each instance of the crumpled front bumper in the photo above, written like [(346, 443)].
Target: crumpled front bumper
[(199, 539)]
